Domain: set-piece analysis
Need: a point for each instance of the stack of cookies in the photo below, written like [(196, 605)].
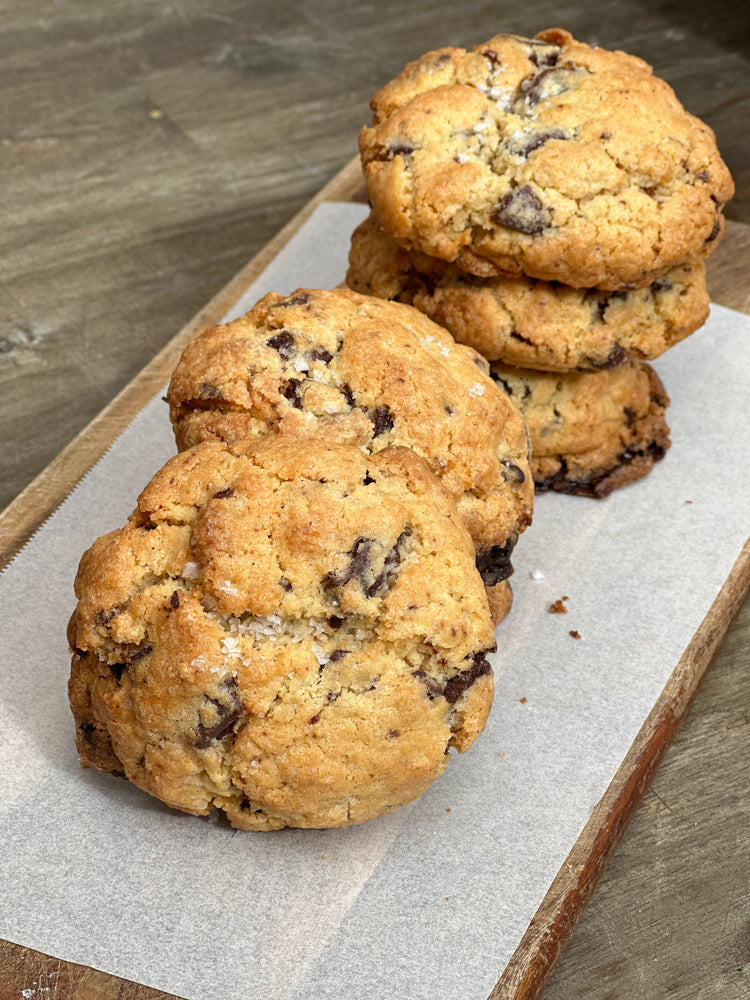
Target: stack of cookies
[(551, 204), (293, 627)]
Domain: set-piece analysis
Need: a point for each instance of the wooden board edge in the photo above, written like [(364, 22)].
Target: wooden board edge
[(28, 511), (555, 920)]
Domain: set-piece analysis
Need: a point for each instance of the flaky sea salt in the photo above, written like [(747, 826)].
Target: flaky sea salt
[(476, 390)]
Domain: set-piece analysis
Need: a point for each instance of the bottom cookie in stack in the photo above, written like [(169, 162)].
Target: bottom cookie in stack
[(591, 432), (292, 633)]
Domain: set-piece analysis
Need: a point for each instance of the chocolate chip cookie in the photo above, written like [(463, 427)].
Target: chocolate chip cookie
[(530, 323), (291, 632), (358, 370), (545, 157), (590, 432)]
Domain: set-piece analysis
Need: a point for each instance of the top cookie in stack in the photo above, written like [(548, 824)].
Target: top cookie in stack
[(551, 204)]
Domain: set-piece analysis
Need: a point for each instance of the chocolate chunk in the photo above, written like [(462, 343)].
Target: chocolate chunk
[(542, 54), (346, 391), (494, 563), (384, 580), (290, 390), (617, 354), (382, 420), (392, 734), (715, 231), (434, 688), (283, 343), (208, 390), (338, 654), (703, 175), (174, 600), (457, 685), (398, 149), (226, 710), (522, 211), (295, 300), (335, 622), (319, 354), (550, 82), (492, 57), (285, 584), (360, 567), (533, 141), (225, 494), (512, 473)]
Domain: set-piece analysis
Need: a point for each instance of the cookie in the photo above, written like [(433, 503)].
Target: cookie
[(590, 432), (545, 157), (290, 632), (354, 369), (529, 323)]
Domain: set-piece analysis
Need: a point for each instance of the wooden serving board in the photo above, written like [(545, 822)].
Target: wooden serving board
[(556, 917)]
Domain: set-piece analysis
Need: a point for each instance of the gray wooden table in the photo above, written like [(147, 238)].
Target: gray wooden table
[(147, 151)]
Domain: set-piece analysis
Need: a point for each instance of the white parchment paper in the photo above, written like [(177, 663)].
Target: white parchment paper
[(430, 902)]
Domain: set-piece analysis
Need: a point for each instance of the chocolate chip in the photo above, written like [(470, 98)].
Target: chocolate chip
[(398, 149), (174, 600), (226, 709), (225, 494), (494, 563), (338, 654), (382, 420), (319, 354), (356, 568), (703, 175), (208, 390), (335, 622), (492, 57), (314, 719), (368, 479), (460, 683), (661, 285), (290, 390), (283, 343), (392, 734), (522, 211), (285, 584)]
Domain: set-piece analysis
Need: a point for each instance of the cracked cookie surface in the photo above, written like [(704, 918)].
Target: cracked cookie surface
[(545, 157), (358, 370), (530, 323), (292, 633), (591, 432)]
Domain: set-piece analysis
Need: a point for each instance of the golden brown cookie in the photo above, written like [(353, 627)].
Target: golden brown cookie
[(545, 157), (591, 432), (355, 369), (291, 632), (529, 323)]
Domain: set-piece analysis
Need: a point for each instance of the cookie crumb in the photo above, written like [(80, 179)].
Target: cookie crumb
[(523, 700), (323, 857), (575, 634), (688, 501), (558, 608), (447, 809)]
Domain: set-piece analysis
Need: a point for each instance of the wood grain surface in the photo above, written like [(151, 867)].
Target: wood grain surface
[(146, 153)]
